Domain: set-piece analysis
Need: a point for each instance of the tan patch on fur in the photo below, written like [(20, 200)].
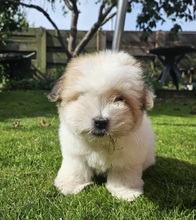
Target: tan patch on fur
[(134, 104), (135, 107), (111, 94), (149, 96), (67, 92)]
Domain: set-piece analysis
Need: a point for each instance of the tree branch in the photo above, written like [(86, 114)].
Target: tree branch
[(108, 18), (75, 7), (101, 9), (74, 50), (87, 37), (74, 20), (107, 11), (49, 19), (70, 7)]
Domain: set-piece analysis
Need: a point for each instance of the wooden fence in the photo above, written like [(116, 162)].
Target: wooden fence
[(49, 53)]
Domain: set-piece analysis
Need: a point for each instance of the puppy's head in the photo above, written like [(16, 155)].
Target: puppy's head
[(102, 94)]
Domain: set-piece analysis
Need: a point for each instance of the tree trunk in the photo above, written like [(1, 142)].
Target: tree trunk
[(73, 30)]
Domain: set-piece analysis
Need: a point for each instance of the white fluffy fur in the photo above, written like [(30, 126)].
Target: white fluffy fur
[(89, 89)]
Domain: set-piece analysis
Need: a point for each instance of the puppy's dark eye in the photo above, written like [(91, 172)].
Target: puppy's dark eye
[(119, 99)]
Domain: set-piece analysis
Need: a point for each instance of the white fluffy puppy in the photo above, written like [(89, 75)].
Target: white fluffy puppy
[(104, 129)]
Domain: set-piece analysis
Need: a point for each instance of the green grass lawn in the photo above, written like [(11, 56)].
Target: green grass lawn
[(30, 158)]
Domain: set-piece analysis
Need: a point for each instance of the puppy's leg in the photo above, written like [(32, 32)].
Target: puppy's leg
[(73, 175), (125, 184)]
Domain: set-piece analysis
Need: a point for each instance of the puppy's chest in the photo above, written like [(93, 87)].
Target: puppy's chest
[(100, 161)]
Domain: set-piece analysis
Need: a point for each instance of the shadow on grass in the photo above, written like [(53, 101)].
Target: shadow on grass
[(23, 104), (174, 106), (171, 183)]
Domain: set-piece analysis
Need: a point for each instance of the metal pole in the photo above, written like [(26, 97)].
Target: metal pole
[(120, 20)]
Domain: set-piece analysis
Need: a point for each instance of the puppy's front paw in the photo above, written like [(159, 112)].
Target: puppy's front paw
[(126, 194), (70, 188), (126, 184)]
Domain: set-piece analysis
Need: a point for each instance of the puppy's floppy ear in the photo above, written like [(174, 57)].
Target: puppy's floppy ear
[(54, 95), (149, 98)]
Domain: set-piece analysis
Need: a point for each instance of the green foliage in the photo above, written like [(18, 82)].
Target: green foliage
[(153, 83), (30, 158), (11, 18), (28, 84), (155, 11), (174, 31)]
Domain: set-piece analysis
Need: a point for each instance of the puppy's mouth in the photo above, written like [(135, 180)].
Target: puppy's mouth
[(99, 133)]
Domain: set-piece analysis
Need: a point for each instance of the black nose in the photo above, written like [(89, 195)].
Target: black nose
[(100, 123)]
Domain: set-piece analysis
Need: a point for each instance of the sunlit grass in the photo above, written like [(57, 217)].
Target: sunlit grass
[(30, 158)]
